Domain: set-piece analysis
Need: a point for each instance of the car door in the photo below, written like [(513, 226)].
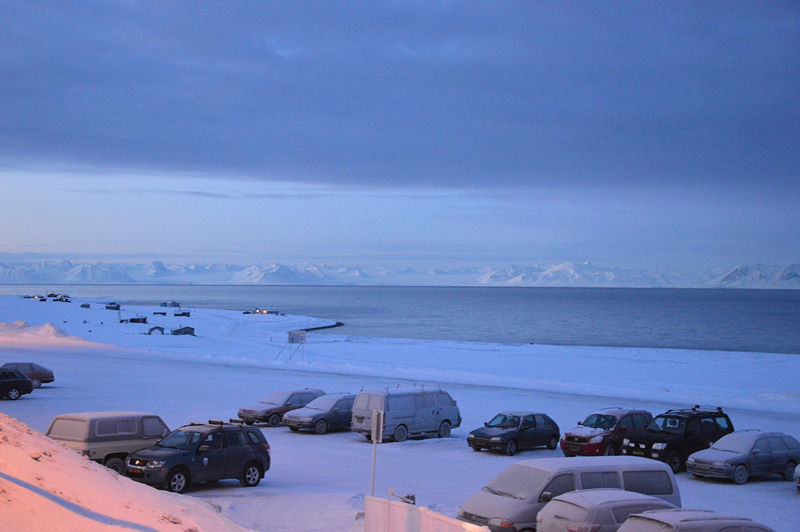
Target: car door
[(779, 455), (425, 419), (237, 452), (341, 412), (210, 464), (761, 457), (694, 438), (528, 436), (543, 430)]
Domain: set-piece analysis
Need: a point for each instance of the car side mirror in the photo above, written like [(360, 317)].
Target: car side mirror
[(545, 496), (485, 423), (204, 448), (580, 422), (756, 451)]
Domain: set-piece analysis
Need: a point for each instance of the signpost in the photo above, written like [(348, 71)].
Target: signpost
[(377, 437)]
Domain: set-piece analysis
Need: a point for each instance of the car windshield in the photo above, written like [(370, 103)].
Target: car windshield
[(735, 443), (671, 424), (324, 402), (504, 421), (600, 421), (182, 439), (518, 482), (277, 398)]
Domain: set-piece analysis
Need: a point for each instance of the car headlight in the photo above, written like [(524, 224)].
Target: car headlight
[(155, 464), (596, 439), (659, 446), (500, 522), (497, 439), (471, 436), (689, 460), (625, 441)]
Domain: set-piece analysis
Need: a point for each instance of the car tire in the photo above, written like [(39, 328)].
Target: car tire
[(511, 448), (321, 426), (552, 443), (740, 474), (788, 471), (609, 450), (444, 431), (400, 433), (13, 393), (274, 420), (115, 464), (248, 422), (178, 480), (251, 475), (674, 462), (368, 437), (294, 429)]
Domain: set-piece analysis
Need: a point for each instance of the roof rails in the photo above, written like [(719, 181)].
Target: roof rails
[(697, 408), (215, 422), (236, 420)]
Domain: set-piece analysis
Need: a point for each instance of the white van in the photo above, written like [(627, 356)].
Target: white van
[(408, 411), (513, 498)]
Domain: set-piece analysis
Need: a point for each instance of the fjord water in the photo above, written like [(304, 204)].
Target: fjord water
[(714, 319)]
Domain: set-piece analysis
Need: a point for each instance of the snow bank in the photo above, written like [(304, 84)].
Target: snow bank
[(46, 486)]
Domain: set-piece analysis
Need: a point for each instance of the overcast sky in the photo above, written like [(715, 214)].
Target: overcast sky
[(658, 135)]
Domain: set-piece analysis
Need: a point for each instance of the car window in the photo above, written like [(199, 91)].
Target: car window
[(693, 427), (253, 436), (648, 482), (790, 442), (640, 421), (540, 422), (600, 479), (153, 426), (293, 399), (528, 422), (722, 423), (762, 446), (213, 440), (401, 402), (444, 399), (707, 426), (627, 422), (777, 444), (111, 427), (68, 429), (560, 484), (621, 513), (425, 400), (369, 401), (234, 438)]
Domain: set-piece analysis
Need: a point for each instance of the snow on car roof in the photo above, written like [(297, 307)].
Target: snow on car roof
[(555, 464), (594, 497), (676, 516)]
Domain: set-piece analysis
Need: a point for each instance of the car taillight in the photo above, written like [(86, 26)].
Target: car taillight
[(266, 447)]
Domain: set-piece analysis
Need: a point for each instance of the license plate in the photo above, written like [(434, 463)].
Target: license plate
[(638, 453)]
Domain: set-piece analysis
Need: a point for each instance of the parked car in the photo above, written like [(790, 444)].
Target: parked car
[(514, 497), (408, 411), (107, 437), (272, 409), (689, 521), (601, 432), (13, 384), (202, 452), (672, 436), (509, 432), (747, 453), (598, 510), (36, 373), (325, 413)]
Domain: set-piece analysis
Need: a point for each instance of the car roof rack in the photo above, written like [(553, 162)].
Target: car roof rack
[(236, 420), (215, 422)]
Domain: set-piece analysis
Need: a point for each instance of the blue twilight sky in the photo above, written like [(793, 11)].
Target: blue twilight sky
[(634, 134)]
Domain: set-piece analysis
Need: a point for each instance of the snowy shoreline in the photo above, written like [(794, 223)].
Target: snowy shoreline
[(238, 358)]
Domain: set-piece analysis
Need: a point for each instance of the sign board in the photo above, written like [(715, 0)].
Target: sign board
[(377, 426), (297, 337)]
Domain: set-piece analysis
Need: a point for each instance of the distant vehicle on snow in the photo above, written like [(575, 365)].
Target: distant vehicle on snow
[(36, 373), (325, 413), (13, 384), (509, 432), (272, 409), (602, 431)]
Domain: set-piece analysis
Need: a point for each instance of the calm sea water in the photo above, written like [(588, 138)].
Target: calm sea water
[(732, 320)]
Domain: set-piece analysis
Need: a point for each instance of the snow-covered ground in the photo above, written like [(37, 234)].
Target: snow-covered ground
[(318, 482)]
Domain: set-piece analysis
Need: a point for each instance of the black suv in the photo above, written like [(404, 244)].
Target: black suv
[(13, 384), (672, 436), (202, 452)]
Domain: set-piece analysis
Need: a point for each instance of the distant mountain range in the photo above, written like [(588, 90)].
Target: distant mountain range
[(565, 274)]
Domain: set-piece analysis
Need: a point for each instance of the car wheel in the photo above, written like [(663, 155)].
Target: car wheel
[(368, 437), (251, 475), (400, 433), (178, 481), (674, 462), (321, 426), (740, 474), (115, 464), (13, 394), (294, 429), (552, 443), (476, 449), (248, 421), (444, 432), (609, 450), (788, 471), (511, 448), (274, 420)]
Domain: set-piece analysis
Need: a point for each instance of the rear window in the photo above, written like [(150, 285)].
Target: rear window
[(648, 482), (445, 399), (152, 426), (111, 427), (368, 401), (254, 437), (621, 513), (68, 429), (600, 479)]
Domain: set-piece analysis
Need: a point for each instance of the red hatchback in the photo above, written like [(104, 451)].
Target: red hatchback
[(601, 432)]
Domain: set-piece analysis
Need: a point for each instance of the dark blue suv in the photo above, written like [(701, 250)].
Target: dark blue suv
[(202, 452)]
